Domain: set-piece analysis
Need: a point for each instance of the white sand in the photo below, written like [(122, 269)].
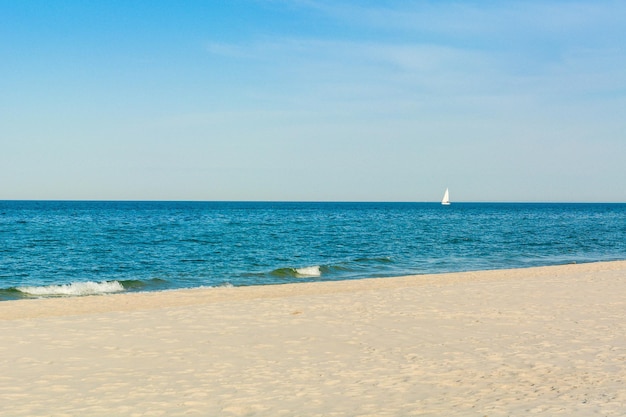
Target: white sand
[(548, 341)]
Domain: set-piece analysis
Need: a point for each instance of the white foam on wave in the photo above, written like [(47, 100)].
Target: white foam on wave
[(309, 271), (74, 289)]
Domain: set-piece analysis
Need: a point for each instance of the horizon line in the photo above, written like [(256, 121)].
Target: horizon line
[(310, 201)]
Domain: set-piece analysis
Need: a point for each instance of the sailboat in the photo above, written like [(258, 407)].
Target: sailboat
[(446, 198)]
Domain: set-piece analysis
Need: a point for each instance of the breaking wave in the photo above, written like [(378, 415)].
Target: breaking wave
[(304, 272), (309, 271), (76, 289), (73, 289)]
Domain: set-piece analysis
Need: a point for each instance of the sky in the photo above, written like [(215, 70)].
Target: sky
[(313, 100)]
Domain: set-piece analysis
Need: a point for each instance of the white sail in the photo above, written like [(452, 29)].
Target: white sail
[(446, 198)]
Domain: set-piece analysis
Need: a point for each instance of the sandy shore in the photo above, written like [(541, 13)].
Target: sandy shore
[(549, 341)]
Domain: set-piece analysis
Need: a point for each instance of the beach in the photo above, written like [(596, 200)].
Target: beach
[(545, 340)]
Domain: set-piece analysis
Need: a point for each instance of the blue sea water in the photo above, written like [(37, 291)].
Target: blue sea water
[(60, 248)]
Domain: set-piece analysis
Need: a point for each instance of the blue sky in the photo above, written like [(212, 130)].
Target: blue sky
[(313, 100)]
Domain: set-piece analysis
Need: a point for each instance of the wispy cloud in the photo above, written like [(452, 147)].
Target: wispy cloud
[(454, 48), (476, 18)]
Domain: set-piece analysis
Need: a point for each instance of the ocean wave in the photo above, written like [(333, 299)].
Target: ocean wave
[(309, 271), (73, 289), (83, 288), (303, 272), (138, 285), (346, 268)]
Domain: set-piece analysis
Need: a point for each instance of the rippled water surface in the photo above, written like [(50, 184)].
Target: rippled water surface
[(72, 248)]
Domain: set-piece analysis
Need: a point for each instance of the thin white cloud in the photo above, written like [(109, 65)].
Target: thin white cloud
[(455, 48), (472, 18)]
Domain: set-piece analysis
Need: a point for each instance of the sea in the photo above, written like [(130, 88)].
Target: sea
[(77, 248)]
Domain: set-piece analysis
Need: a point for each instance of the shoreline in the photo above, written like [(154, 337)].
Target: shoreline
[(133, 301), (541, 340)]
